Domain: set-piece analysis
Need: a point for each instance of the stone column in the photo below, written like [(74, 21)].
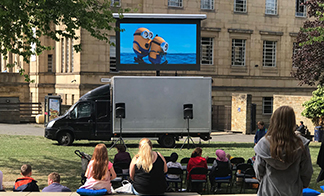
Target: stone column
[(241, 113)]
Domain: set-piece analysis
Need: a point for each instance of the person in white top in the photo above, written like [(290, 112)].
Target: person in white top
[(173, 164)]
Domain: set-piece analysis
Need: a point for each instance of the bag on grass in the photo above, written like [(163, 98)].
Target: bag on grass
[(125, 188)]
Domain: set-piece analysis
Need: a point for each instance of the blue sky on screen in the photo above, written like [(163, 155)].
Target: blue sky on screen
[(180, 37)]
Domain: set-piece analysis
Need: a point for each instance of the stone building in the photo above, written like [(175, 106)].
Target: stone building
[(246, 48)]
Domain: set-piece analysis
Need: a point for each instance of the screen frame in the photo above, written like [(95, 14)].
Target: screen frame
[(155, 67)]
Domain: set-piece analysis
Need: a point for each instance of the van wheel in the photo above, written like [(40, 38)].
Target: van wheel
[(167, 141), (65, 139)]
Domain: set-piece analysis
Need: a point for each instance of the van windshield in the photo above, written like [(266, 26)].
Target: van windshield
[(71, 108)]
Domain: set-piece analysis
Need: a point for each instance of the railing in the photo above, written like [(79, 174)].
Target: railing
[(19, 112)]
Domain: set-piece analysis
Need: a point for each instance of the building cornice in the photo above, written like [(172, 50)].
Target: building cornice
[(277, 33), (244, 31)]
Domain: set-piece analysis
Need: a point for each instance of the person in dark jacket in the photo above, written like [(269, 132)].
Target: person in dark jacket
[(301, 128), (26, 183), (122, 156), (260, 132), (54, 184)]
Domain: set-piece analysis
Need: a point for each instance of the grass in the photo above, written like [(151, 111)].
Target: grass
[(46, 156)]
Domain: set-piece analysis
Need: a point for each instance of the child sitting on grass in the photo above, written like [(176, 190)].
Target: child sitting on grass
[(26, 183), (100, 170)]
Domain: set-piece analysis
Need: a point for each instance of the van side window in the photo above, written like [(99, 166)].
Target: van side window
[(102, 111), (82, 110)]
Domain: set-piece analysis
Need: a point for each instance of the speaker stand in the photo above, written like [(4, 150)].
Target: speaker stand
[(188, 138), (120, 139)]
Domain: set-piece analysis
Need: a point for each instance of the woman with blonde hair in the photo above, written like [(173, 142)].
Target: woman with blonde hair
[(147, 170), (100, 170), (283, 164)]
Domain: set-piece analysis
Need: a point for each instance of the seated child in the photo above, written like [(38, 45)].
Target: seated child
[(54, 185), (26, 183), (100, 170), (173, 164)]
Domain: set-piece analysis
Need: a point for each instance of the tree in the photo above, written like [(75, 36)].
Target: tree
[(23, 22), (314, 108), (309, 56)]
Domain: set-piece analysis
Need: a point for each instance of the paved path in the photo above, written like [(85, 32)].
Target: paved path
[(38, 130)]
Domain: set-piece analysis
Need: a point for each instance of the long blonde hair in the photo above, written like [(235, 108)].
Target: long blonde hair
[(144, 157), (100, 162), (281, 134)]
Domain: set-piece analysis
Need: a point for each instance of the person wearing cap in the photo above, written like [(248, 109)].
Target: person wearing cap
[(221, 164)]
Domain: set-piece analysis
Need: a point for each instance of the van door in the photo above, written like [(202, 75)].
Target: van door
[(82, 120), (103, 120)]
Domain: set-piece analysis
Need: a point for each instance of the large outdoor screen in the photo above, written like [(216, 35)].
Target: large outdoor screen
[(158, 44)]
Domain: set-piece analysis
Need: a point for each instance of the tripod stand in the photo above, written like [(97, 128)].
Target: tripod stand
[(188, 137), (120, 139)]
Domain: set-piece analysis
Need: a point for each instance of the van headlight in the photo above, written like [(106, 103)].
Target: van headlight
[(50, 124)]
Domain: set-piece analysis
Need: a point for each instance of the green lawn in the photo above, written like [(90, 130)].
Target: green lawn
[(45, 156)]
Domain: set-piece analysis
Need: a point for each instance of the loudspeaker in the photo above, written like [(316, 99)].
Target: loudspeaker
[(120, 110), (187, 111)]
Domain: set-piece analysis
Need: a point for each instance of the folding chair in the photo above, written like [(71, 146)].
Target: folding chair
[(167, 159), (210, 160), (184, 161), (175, 171), (125, 169), (222, 174), (119, 178), (249, 179), (241, 167), (197, 171)]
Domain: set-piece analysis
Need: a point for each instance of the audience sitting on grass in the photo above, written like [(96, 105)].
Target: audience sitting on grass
[(100, 170), (54, 184), (196, 161), (147, 170), (26, 183)]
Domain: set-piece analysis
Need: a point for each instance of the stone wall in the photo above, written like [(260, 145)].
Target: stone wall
[(296, 103), (241, 113)]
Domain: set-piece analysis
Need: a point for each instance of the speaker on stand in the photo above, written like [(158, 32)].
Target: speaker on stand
[(120, 113), (188, 114)]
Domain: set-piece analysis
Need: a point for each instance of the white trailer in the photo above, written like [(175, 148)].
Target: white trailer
[(154, 107)]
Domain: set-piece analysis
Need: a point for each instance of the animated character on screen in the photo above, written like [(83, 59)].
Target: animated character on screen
[(141, 43), (159, 48)]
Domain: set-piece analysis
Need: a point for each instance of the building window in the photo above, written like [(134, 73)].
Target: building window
[(62, 55), (300, 8), (271, 7), (113, 54), (115, 3), (72, 99), (50, 63), (240, 6), (238, 52), (67, 55), (65, 99), (207, 4), (269, 53), (267, 105), (175, 3), (72, 57), (207, 50)]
